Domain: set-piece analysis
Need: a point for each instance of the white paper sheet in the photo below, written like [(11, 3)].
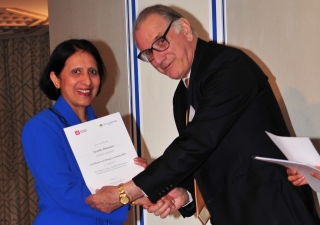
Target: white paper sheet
[(104, 151), (301, 155), (300, 167), (299, 149)]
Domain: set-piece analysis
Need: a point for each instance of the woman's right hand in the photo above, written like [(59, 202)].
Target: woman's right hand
[(141, 162)]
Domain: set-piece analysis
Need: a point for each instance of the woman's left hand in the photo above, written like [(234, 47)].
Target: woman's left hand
[(141, 162)]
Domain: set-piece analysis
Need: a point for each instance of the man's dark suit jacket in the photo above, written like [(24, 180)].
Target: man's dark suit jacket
[(234, 107)]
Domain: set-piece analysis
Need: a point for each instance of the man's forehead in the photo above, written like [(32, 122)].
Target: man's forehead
[(154, 22), (151, 28)]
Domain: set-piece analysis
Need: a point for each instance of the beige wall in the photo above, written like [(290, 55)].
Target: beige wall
[(284, 38)]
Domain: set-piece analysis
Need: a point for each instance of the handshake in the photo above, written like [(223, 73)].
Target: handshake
[(107, 199)]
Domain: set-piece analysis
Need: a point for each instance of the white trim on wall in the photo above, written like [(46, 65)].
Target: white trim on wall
[(135, 99)]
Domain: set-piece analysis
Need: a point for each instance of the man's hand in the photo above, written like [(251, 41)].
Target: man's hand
[(180, 197), (316, 175), (297, 179), (162, 207), (177, 196)]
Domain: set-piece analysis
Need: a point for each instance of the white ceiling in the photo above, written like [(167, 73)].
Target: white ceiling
[(37, 6)]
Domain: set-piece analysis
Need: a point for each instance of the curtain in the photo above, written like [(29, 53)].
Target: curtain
[(21, 63)]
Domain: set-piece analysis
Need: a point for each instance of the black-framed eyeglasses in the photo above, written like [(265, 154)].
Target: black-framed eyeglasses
[(159, 45)]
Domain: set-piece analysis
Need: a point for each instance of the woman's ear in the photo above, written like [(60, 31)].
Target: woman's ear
[(186, 29), (55, 80)]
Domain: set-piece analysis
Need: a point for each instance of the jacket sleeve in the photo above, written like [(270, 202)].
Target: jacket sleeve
[(45, 150), (189, 209), (227, 90)]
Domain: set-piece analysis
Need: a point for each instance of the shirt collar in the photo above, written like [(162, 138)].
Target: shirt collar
[(187, 77)]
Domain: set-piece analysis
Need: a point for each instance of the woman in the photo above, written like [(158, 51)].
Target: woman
[(72, 78)]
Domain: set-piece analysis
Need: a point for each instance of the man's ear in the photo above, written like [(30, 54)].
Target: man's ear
[(55, 80), (186, 28)]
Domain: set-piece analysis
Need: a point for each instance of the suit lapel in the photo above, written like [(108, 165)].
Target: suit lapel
[(200, 49), (182, 98)]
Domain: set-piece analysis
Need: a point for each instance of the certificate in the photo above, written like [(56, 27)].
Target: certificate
[(104, 151)]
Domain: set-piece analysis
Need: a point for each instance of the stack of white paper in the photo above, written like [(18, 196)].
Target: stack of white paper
[(302, 155)]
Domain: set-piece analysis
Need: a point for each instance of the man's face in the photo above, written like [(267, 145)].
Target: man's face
[(175, 61)]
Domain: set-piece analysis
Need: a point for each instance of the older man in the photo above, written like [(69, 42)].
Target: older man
[(230, 106)]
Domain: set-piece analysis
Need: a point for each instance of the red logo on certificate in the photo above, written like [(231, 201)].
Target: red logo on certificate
[(77, 132)]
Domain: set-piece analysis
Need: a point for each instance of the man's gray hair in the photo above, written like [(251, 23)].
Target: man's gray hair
[(166, 12)]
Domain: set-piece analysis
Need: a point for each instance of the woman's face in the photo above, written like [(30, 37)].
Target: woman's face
[(79, 80)]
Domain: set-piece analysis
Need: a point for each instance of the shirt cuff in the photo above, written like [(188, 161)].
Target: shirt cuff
[(190, 199)]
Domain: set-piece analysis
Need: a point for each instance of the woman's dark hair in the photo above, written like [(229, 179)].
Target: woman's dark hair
[(58, 59)]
